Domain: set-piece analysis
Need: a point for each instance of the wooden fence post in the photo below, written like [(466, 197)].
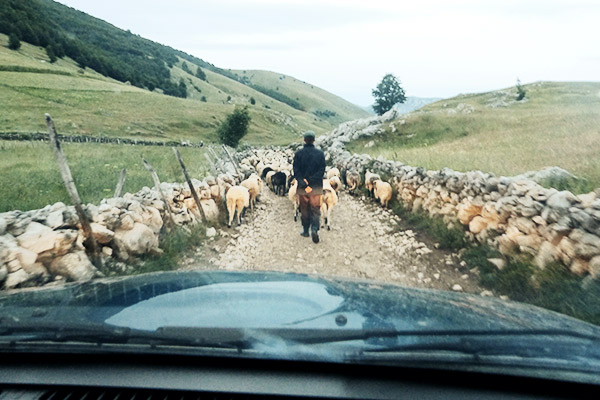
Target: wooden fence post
[(213, 169), (159, 190), (67, 178), (232, 161), (120, 183), (189, 182)]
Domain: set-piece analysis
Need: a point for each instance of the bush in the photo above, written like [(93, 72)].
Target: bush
[(200, 74), (252, 101), (13, 42), (235, 127), (203, 98), (51, 55)]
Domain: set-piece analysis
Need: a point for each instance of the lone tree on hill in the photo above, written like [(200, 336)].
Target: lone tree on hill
[(387, 93), (235, 127), (13, 42), (520, 91)]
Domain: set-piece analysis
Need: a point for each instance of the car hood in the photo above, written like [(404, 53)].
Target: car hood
[(273, 300)]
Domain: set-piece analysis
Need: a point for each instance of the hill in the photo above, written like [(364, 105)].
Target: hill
[(93, 83), (555, 125)]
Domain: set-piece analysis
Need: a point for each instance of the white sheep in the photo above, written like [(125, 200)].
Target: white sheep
[(238, 198), (254, 186), (333, 172), (382, 192), (293, 196)]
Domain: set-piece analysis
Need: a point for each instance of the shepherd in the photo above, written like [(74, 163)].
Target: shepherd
[(309, 168)]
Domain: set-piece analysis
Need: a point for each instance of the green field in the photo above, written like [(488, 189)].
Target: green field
[(30, 178), (558, 125)]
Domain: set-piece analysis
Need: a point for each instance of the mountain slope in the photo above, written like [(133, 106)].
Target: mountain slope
[(556, 125), (98, 47)]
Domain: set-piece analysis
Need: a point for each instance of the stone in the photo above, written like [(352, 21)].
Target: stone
[(457, 288), (498, 263), (55, 219), (486, 293), (211, 211), (127, 222), (477, 224), (211, 232), (546, 255), (524, 225), (594, 267), (561, 200), (35, 270), (466, 212), (74, 266), (101, 233), (64, 242), (107, 251), (37, 238), (579, 267), (586, 245), (3, 226), (138, 240), (16, 278), (26, 257), (566, 250)]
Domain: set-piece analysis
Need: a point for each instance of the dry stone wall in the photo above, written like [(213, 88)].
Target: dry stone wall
[(44, 246), (513, 214)]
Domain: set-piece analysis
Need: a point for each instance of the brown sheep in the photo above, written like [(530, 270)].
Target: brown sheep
[(328, 200), (336, 183), (369, 179), (352, 181), (383, 192)]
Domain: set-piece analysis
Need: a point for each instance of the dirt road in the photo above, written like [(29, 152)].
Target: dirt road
[(365, 241)]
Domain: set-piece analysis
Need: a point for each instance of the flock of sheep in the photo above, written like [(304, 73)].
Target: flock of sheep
[(243, 196)]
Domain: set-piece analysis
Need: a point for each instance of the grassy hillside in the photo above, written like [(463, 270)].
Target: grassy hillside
[(314, 100), (85, 102), (557, 124)]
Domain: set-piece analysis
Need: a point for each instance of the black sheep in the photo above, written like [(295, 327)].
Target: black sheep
[(278, 181), (265, 171)]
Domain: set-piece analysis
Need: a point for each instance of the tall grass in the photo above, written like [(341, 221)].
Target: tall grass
[(553, 287), (174, 245)]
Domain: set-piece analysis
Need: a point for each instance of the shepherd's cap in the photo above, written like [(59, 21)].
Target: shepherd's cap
[(309, 134)]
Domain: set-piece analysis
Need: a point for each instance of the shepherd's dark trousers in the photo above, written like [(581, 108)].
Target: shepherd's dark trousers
[(310, 210)]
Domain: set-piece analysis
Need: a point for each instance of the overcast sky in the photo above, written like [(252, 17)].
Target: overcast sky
[(437, 48)]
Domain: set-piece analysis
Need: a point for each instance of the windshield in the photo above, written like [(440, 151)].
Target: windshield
[(356, 182)]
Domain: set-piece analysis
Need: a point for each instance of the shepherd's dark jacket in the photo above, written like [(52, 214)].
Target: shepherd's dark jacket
[(309, 164)]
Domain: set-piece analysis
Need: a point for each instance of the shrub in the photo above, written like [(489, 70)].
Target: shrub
[(252, 101), (235, 127), (13, 42), (203, 98)]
